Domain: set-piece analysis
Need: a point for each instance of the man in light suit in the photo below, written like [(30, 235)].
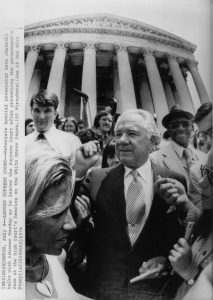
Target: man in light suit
[(44, 106), (179, 155), (131, 223)]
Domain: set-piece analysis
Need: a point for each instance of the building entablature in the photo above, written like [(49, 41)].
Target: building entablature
[(107, 25)]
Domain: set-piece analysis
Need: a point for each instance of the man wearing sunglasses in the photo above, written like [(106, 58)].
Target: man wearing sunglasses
[(179, 155)]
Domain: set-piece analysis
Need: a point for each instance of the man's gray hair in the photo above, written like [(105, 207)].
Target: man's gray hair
[(147, 119)]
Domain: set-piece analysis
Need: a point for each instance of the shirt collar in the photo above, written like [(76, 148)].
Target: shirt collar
[(177, 148), (144, 170), (47, 132)]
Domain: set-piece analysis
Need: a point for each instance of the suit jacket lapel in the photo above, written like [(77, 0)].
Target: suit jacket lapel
[(170, 159), (113, 186)]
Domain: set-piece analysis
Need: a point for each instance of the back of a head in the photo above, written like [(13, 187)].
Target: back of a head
[(45, 98), (87, 135), (203, 111), (44, 168), (108, 152)]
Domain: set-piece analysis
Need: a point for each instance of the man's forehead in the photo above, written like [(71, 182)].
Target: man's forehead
[(35, 105)]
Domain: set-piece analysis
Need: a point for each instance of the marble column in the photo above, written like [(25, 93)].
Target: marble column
[(158, 94), (203, 95), (33, 89), (61, 108), (179, 81), (127, 92), (56, 73), (116, 87), (89, 81), (30, 63), (145, 93), (169, 94)]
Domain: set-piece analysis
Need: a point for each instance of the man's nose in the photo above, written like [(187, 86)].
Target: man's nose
[(123, 138), (42, 115), (69, 223)]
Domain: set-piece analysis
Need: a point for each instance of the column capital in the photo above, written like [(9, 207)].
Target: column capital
[(33, 47), (120, 48), (62, 45), (90, 45), (147, 52), (178, 59), (191, 63), (172, 58)]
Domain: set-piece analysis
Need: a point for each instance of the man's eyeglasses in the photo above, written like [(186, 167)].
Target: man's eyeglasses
[(176, 124), (206, 172), (203, 135)]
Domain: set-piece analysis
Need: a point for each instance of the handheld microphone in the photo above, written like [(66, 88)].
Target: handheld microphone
[(79, 93), (189, 231)]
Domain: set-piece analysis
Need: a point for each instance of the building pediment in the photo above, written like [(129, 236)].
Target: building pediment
[(107, 24)]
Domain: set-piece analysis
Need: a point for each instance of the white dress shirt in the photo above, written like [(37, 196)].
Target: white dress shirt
[(147, 180), (62, 142)]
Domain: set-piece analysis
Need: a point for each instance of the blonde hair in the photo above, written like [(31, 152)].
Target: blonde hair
[(45, 168)]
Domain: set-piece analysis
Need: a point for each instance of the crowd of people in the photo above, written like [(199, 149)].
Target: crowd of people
[(118, 210)]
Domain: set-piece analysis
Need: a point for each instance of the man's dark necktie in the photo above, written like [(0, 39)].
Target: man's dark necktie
[(41, 138)]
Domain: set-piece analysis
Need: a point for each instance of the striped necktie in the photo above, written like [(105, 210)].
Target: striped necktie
[(135, 200)]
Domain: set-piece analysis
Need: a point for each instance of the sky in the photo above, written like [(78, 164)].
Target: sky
[(189, 19)]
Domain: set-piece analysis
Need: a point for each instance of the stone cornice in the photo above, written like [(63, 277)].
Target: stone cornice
[(107, 24)]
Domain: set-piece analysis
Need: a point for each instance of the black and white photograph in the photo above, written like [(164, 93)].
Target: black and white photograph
[(107, 150)]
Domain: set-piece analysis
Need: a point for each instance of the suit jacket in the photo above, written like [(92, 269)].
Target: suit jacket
[(167, 158), (112, 261)]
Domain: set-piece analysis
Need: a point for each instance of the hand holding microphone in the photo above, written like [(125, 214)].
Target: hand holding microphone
[(181, 255)]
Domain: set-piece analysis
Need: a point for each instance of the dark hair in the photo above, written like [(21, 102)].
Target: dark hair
[(87, 135), (166, 135), (109, 152), (203, 111), (99, 115), (27, 121), (73, 120), (45, 98), (80, 122)]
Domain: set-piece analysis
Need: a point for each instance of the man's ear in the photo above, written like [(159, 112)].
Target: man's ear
[(153, 139)]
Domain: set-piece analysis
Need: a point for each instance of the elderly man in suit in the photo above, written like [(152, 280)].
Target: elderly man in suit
[(179, 155), (131, 223)]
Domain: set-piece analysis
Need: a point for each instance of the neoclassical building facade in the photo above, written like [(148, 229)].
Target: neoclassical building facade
[(106, 57)]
